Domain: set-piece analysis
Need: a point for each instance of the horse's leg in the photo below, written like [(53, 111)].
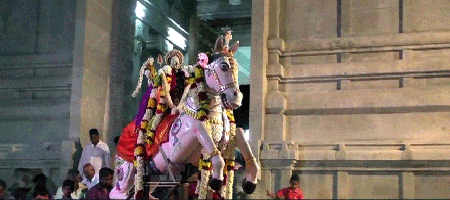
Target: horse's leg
[(210, 148), (251, 166), (125, 176)]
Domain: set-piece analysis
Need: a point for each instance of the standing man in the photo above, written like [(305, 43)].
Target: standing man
[(96, 153)]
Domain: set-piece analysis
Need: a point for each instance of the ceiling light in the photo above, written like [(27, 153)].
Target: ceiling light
[(140, 10)]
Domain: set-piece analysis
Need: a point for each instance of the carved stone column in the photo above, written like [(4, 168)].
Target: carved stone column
[(276, 101), (258, 82)]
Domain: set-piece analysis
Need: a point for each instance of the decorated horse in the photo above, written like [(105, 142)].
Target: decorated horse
[(186, 116)]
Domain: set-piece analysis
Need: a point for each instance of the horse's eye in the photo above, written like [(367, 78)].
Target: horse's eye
[(224, 67)]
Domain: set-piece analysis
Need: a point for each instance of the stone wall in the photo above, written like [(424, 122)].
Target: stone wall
[(62, 71), (354, 97), (36, 42)]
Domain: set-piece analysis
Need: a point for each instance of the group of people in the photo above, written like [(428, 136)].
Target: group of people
[(92, 180), (74, 187), (96, 181)]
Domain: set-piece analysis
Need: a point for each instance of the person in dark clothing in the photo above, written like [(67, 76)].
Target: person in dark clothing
[(41, 192), (103, 188), (3, 192), (41, 180), (68, 187)]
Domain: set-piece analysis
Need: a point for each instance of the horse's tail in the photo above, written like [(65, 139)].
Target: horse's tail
[(127, 143)]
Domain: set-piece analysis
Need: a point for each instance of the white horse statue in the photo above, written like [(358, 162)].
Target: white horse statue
[(200, 130)]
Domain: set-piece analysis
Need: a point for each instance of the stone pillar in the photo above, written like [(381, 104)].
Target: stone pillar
[(274, 23), (121, 54), (286, 173), (98, 57), (341, 185), (276, 101), (193, 39), (260, 27), (91, 67), (407, 185), (276, 174)]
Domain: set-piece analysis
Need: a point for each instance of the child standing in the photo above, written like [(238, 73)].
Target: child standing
[(292, 192)]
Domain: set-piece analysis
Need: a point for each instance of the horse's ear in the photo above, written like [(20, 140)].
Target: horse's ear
[(234, 47), (160, 59), (219, 44)]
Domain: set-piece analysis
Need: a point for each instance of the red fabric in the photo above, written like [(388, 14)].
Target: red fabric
[(290, 193), (127, 141), (162, 135), (173, 82)]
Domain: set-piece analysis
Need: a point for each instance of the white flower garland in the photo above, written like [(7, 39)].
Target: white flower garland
[(227, 190), (228, 194), (147, 63), (202, 186), (139, 177)]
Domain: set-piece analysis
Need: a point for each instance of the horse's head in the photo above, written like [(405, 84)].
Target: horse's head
[(221, 75)]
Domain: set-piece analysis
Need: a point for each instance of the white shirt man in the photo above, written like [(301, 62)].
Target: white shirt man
[(91, 183), (96, 153)]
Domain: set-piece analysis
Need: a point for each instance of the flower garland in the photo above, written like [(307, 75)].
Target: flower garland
[(198, 82), (139, 150), (230, 162), (205, 167), (144, 136), (147, 64), (230, 179)]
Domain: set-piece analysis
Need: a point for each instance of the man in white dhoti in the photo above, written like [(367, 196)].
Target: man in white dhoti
[(96, 153)]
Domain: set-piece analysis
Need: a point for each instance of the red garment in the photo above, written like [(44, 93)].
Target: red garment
[(127, 141), (290, 193), (162, 135), (97, 192)]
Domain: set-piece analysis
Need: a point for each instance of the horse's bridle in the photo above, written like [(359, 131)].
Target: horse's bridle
[(210, 69)]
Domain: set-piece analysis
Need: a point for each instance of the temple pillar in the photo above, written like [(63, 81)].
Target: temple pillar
[(100, 52)]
